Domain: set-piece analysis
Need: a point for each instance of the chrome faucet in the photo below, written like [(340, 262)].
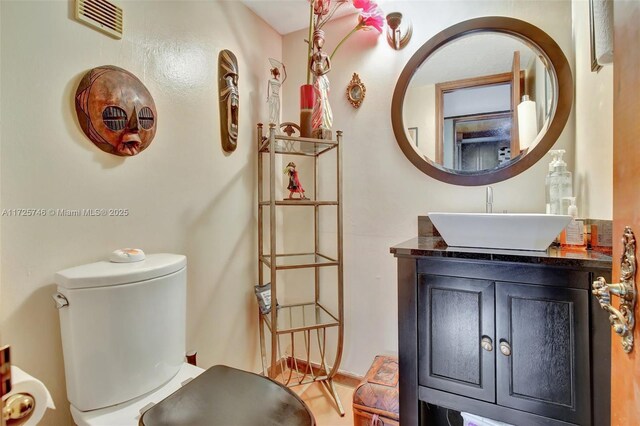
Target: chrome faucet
[(489, 202)]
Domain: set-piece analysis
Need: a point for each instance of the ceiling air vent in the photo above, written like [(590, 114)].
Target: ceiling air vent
[(102, 15)]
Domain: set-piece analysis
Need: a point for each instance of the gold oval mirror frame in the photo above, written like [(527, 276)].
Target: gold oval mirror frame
[(561, 78), (356, 91)]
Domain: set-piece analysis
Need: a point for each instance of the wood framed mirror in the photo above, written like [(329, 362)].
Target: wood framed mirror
[(489, 96)]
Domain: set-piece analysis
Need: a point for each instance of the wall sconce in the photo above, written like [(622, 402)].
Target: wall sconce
[(394, 33)]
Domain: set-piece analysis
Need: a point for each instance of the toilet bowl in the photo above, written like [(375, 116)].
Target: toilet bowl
[(123, 328), (128, 413)]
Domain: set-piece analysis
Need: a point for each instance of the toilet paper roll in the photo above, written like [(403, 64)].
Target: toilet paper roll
[(603, 30), (527, 123), (22, 382)]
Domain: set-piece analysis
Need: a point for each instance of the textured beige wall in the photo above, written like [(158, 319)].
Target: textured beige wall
[(184, 194), (420, 111), (593, 180), (383, 192)]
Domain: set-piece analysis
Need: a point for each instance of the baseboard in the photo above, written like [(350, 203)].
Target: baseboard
[(278, 369), (342, 377)]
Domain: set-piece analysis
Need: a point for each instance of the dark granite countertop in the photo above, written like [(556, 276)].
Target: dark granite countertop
[(556, 256)]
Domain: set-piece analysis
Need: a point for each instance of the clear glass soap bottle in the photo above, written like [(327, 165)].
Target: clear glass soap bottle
[(560, 184), (547, 182)]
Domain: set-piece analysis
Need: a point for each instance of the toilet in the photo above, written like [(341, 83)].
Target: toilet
[(123, 328)]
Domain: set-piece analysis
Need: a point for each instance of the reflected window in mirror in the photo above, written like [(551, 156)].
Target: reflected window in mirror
[(477, 142)]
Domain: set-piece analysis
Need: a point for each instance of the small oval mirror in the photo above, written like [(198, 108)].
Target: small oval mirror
[(488, 98), (356, 91)]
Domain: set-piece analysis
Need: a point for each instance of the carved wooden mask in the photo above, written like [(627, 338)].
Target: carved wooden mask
[(116, 111), (229, 99)]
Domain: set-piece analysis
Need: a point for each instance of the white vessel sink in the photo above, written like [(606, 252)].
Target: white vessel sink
[(511, 231)]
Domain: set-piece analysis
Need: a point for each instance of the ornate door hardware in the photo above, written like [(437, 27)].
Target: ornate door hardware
[(622, 319)]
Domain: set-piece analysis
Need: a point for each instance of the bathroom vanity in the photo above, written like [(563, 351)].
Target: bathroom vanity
[(515, 336)]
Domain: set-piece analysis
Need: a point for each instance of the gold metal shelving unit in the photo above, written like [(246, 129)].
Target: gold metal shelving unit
[(310, 319)]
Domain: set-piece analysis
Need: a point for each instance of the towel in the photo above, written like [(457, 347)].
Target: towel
[(603, 30)]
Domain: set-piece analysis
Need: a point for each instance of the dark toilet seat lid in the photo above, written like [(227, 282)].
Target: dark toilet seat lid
[(226, 396)]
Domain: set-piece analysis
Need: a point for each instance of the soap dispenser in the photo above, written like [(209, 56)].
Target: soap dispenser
[(560, 187), (573, 235), (547, 181)]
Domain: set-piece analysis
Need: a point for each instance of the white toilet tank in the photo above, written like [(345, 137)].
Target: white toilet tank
[(123, 331)]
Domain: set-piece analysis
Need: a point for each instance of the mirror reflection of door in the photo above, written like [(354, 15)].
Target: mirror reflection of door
[(477, 120), (475, 125), (467, 101)]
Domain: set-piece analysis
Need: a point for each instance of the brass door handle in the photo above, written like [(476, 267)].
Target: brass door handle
[(622, 319), (487, 343), (18, 406), (505, 348)]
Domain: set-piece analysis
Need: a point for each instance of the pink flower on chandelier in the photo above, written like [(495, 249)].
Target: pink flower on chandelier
[(370, 17)]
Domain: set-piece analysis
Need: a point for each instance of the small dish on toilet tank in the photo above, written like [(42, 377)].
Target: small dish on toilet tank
[(127, 255)]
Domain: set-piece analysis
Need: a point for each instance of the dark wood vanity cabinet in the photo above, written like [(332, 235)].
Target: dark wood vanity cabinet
[(454, 315), (523, 343), (545, 369), (516, 345)]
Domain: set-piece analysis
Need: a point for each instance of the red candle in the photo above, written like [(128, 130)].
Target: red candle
[(307, 100)]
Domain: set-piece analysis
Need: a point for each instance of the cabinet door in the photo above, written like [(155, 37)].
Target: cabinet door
[(454, 314), (543, 366)]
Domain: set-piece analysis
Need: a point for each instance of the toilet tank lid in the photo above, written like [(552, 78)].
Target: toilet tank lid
[(105, 273)]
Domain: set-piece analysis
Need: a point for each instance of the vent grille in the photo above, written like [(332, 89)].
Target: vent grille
[(102, 15)]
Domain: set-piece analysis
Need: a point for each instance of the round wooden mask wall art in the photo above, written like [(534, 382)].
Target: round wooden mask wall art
[(116, 111)]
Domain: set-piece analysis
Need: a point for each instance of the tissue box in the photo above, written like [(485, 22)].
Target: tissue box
[(473, 420)]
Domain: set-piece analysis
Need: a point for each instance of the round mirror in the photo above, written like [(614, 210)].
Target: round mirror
[(482, 101)]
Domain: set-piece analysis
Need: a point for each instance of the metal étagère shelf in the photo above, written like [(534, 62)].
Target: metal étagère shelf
[(302, 323)]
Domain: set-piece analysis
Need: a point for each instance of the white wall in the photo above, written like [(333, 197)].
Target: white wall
[(420, 111), (185, 195), (383, 192), (593, 180)]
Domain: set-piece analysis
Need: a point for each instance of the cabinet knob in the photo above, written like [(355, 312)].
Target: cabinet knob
[(487, 343), (505, 348)]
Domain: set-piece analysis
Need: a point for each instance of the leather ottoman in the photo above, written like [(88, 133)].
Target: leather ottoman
[(375, 400)]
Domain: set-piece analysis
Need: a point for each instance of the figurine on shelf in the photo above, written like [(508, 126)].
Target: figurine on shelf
[(294, 183), (273, 91), (320, 65)]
